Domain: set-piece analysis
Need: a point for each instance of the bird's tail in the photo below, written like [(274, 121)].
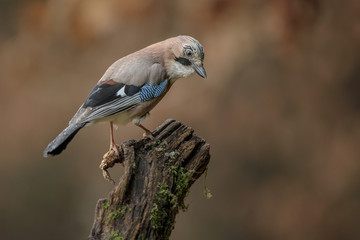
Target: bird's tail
[(62, 140)]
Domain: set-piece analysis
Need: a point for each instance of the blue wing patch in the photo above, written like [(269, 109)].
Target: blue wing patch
[(148, 91)]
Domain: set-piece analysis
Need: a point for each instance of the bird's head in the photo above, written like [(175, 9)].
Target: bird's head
[(187, 57)]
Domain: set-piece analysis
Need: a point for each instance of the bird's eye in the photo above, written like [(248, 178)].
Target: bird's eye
[(188, 52)]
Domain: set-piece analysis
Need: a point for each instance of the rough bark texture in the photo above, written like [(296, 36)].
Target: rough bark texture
[(158, 175)]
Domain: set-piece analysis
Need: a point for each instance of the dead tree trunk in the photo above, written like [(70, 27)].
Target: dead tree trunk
[(158, 175)]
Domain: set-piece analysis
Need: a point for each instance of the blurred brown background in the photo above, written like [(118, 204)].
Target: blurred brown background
[(280, 108)]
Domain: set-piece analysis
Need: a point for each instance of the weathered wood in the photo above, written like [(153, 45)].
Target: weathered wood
[(158, 175)]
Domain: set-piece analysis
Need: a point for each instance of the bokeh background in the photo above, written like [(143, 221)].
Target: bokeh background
[(280, 108)]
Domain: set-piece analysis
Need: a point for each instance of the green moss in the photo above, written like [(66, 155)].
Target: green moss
[(160, 146), (207, 192), (173, 170), (116, 236), (155, 144), (106, 205), (118, 213), (167, 199), (181, 180), (166, 195), (159, 149), (159, 215), (172, 156), (133, 167)]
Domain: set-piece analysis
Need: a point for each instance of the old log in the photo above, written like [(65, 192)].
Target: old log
[(158, 175)]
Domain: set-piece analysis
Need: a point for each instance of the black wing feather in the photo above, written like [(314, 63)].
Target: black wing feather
[(102, 94), (104, 100)]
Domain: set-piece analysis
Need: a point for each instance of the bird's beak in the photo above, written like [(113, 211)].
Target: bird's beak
[(199, 69)]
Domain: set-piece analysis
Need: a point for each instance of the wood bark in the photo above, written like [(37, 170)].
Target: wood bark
[(158, 175)]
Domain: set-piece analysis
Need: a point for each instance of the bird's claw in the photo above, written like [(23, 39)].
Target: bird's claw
[(114, 155), (107, 176), (149, 135)]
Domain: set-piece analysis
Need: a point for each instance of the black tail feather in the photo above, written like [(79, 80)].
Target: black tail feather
[(62, 140)]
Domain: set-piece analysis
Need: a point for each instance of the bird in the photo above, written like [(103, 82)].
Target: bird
[(132, 86)]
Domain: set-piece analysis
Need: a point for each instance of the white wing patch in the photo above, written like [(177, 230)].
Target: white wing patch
[(121, 92)]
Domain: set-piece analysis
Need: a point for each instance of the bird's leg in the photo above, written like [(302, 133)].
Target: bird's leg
[(113, 145), (111, 157), (147, 133), (137, 122)]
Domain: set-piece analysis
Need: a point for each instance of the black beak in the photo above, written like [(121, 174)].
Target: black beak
[(199, 69)]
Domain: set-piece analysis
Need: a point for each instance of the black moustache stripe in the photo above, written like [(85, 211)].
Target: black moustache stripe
[(183, 61)]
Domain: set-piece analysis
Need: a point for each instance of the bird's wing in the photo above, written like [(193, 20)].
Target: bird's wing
[(113, 96)]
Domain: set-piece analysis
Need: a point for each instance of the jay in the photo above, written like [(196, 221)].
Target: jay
[(132, 86)]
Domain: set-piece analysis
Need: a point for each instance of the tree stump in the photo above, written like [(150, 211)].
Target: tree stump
[(158, 175)]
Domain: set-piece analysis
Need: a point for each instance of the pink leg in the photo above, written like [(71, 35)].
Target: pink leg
[(147, 131), (113, 145), (112, 142)]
